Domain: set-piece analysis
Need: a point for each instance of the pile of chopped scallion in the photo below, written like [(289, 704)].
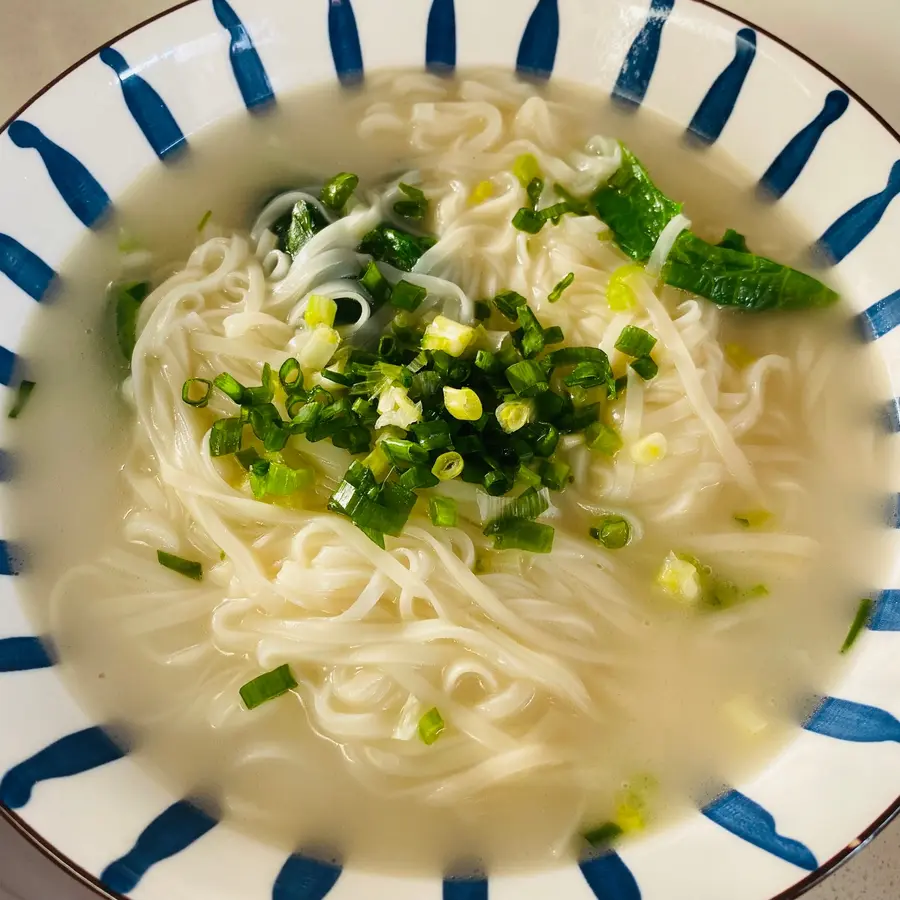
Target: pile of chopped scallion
[(424, 402)]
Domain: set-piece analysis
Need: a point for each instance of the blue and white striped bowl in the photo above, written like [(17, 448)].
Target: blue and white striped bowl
[(136, 103)]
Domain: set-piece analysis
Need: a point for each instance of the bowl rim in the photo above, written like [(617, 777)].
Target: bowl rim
[(830, 866)]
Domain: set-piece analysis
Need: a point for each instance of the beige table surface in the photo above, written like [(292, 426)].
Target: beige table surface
[(856, 39)]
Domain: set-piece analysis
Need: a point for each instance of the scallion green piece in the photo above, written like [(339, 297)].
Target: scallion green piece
[(418, 477), (553, 335), (528, 220), (433, 435), (544, 439), (554, 213), (337, 190), (128, 299), (589, 374), (375, 283), (448, 466), (22, 394), (646, 367), (527, 378), (561, 285), (530, 504), (416, 207), (230, 387), (443, 512), (614, 532), (268, 686), (497, 482), (482, 310), (532, 334), (604, 835), (555, 474), (195, 392), (634, 341), (514, 414), (600, 438), (863, 614), (431, 726), (225, 436), (528, 477), (247, 457), (522, 534), (508, 302), (534, 190), (338, 378), (179, 564), (403, 452), (408, 296), (205, 218), (290, 374), (320, 311)]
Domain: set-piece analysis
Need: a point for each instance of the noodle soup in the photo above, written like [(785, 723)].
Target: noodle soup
[(424, 527)]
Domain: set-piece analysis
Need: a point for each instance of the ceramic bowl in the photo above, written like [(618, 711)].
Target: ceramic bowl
[(138, 102)]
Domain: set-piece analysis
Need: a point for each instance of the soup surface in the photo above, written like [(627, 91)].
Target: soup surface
[(592, 686)]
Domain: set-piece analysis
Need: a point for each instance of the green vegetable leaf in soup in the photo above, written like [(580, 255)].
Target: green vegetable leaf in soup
[(634, 208), (741, 280)]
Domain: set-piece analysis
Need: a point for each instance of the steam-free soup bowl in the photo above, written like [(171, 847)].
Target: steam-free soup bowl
[(138, 102)]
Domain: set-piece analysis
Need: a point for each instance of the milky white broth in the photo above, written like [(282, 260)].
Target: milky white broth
[(664, 715)]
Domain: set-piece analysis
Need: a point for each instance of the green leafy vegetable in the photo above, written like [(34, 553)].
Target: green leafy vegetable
[(128, 300), (634, 341), (305, 222), (863, 614), (634, 208), (268, 686), (394, 247), (742, 280), (408, 296), (338, 190), (416, 207), (179, 564), (646, 367)]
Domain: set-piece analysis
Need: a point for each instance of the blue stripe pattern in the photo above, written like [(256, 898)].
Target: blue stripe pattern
[(537, 49), (344, 38), (249, 72), (890, 416), (24, 269), (22, 654), (787, 166), (716, 107), (610, 879), (440, 40), (848, 721), (8, 363), (747, 820), (465, 889), (302, 878), (174, 830), (637, 70), (892, 511), (81, 191), (880, 317), (887, 611), (146, 107), (71, 755), (857, 223), (10, 564)]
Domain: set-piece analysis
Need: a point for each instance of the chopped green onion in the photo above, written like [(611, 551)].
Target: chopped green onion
[(646, 367), (408, 296), (522, 534), (375, 283), (225, 436), (600, 438), (247, 457), (528, 220), (304, 223), (290, 374), (604, 835), (530, 504), (579, 207), (863, 614), (544, 439), (462, 403), (532, 334), (128, 298), (24, 392), (179, 564), (190, 395), (561, 285), (385, 509), (356, 439), (534, 190), (448, 336), (320, 311), (568, 356), (431, 726), (468, 443), (554, 213), (418, 477), (319, 348), (338, 378), (395, 247), (433, 435), (526, 167), (447, 466), (306, 417), (619, 294), (508, 302), (402, 451), (378, 463), (634, 341), (497, 482), (205, 218), (230, 387), (443, 512), (527, 378), (514, 414), (416, 207), (614, 532), (338, 190), (589, 374), (528, 477), (482, 310), (553, 335), (555, 474), (268, 686), (753, 518), (273, 478), (488, 362)]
